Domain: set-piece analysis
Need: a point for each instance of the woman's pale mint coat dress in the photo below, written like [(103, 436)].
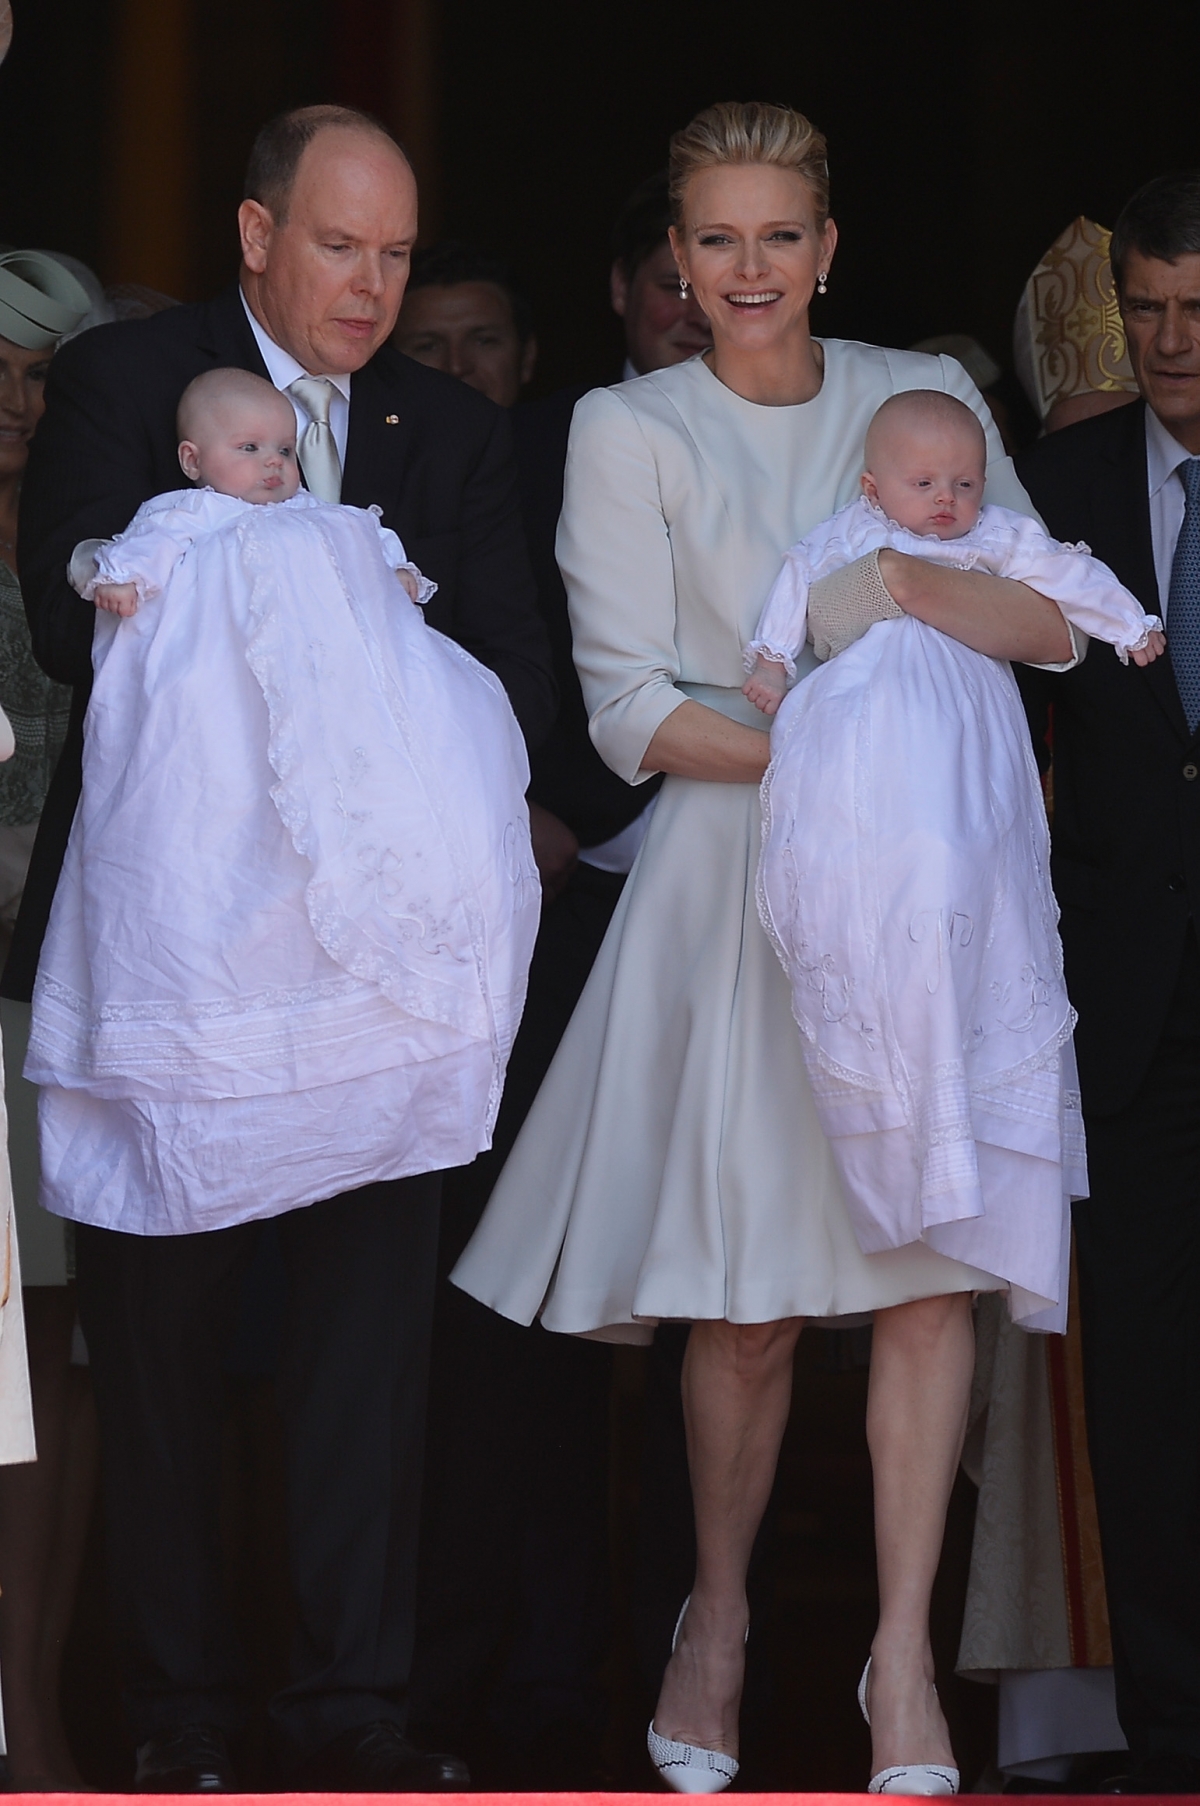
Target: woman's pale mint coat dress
[(672, 1165)]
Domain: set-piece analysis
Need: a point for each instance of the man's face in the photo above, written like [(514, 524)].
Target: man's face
[(1160, 305), (660, 327), (327, 284), (467, 329)]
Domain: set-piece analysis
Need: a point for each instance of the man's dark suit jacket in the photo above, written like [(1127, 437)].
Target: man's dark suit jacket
[(568, 775), (434, 455), (1126, 853)]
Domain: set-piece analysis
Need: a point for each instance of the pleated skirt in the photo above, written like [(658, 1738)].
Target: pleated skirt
[(673, 1165)]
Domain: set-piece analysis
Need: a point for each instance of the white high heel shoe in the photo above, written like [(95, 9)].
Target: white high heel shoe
[(689, 1767), (920, 1778)]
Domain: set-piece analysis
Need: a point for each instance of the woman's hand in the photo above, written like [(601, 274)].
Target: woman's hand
[(992, 615), (697, 742)]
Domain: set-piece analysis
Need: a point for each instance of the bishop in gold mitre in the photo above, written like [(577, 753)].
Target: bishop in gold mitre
[(1068, 337)]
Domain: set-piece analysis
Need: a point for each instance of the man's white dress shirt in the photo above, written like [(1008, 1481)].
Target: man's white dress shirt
[(283, 370), (1164, 455)]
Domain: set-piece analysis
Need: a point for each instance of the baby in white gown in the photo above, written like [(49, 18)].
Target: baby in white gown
[(904, 876), (287, 955)]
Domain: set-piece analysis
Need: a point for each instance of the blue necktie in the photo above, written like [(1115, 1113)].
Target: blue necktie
[(1183, 599)]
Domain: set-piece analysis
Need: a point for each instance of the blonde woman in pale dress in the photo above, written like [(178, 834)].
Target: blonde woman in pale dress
[(673, 1165)]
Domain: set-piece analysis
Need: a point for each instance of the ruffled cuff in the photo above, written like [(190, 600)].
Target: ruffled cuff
[(91, 566), (426, 587), (773, 654), (1153, 625), (81, 566)]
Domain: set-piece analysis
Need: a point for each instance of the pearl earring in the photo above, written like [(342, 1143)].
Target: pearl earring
[(683, 288), (821, 282)]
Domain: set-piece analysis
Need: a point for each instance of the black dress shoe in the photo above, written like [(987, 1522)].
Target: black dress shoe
[(1171, 1771), (378, 1758), (192, 1759)]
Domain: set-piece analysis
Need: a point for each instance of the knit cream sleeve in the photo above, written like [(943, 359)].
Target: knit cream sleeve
[(843, 605)]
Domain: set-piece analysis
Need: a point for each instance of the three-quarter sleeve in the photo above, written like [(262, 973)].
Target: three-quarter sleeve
[(614, 551)]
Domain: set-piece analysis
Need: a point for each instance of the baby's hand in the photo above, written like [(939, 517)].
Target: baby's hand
[(117, 598), (1154, 648), (408, 579), (766, 684)]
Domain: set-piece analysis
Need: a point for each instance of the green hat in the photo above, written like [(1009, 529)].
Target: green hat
[(39, 300)]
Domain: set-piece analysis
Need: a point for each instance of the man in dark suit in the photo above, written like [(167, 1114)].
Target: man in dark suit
[(1126, 868), (327, 228)]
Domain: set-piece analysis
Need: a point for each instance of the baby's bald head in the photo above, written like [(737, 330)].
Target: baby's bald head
[(926, 462), (238, 436), (218, 390)]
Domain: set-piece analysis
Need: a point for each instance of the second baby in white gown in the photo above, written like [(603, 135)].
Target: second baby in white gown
[(904, 877), (287, 955)]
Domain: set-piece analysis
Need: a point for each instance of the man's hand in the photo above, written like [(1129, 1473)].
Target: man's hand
[(555, 849), (1154, 648), (117, 598), (766, 684)]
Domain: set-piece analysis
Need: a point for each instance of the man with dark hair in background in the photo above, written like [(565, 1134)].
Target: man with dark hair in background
[(1126, 870), (515, 1542), (327, 226), (463, 314), (662, 326)]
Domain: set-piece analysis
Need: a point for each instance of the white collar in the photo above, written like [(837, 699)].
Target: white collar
[(1164, 454), (282, 367)]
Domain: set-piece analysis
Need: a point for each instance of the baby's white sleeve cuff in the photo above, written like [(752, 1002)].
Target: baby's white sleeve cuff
[(81, 568), (426, 587), (774, 654)]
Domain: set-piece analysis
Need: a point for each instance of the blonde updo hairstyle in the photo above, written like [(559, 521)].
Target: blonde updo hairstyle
[(751, 131)]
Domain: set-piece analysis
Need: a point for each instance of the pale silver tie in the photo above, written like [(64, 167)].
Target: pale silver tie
[(317, 446)]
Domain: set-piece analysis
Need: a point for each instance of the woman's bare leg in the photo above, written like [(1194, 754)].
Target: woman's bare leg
[(921, 1364), (737, 1389)]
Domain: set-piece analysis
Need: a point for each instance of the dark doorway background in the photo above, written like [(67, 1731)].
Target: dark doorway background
[(960, 143)]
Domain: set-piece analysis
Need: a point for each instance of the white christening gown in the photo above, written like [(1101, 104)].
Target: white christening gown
[(287, 954), (673, 1164), (904, 881)]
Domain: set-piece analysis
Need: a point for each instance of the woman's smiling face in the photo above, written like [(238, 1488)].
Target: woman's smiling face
[(752, 247), (22, 402)]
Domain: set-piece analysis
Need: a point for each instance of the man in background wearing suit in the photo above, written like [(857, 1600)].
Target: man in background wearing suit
[(326, 229), (1126, 868)]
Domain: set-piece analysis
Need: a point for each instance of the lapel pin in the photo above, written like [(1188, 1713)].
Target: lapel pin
[(392, 420)]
